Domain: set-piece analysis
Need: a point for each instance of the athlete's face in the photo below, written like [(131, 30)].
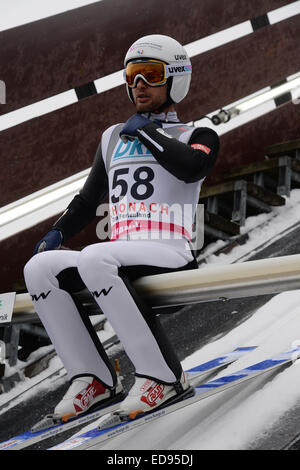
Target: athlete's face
[(148, 98)]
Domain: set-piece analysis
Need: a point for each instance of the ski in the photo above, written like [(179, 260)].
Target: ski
[(203, 370), (195, 374), (101, 432)]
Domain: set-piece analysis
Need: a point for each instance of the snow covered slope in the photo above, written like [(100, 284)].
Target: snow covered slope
[(236, 418)]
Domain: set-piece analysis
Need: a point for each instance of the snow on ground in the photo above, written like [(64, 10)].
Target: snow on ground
[(262, 229), (235, 418), (231, 419), (28, 387), (275, 327)]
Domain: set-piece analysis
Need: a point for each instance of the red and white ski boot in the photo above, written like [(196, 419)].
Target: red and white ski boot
[(84, 393), (148, 394)]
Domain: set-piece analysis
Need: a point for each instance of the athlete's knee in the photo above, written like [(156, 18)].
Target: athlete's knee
[(37, 268), (95, 261)]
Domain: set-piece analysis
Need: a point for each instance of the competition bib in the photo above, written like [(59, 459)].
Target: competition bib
[(145, 200)]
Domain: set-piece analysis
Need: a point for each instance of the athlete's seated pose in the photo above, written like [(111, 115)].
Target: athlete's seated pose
[(145, 166)]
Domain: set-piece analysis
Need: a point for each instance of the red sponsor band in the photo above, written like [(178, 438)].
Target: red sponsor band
[(201, 147), (82, 400), (129, 226), (154, 393)]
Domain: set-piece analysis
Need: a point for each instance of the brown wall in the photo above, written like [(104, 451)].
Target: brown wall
[(47, 57)]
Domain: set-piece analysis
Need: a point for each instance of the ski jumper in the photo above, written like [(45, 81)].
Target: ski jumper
[(164, 167)]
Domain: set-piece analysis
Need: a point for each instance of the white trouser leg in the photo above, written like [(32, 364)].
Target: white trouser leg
[(98, 267), (60, 316)]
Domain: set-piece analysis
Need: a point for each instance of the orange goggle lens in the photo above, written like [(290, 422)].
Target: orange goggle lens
[(153, 72)]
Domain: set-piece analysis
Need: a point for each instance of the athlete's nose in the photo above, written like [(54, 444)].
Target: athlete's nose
[(140, 83)]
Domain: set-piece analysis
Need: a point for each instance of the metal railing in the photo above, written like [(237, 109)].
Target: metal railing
[(213, 283)]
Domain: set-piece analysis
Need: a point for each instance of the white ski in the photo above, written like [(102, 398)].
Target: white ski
[(196, 375), (101, 433)]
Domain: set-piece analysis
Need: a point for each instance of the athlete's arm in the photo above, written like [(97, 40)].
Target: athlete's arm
[(188, 162), (82, 209)]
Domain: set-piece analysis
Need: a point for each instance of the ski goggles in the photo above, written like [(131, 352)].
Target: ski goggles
[(154, 72)]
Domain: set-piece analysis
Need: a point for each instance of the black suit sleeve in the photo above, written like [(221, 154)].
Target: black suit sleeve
[(188, 162), (82, 209)]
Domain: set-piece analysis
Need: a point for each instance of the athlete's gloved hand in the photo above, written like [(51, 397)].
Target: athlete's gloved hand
[(135, 123), (51, 241)]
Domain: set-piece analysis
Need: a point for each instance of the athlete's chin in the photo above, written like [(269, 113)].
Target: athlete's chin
[(144, 108), (148, 107)]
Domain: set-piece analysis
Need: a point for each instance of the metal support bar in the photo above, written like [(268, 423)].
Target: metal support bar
[(284, 176), (258, 178), (212, 205), (2, 358), (217, 234), (11, 340), (239, 202), (250, 278), (257, 204)]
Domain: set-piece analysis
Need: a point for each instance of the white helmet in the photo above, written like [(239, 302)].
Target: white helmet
[(170, 51)]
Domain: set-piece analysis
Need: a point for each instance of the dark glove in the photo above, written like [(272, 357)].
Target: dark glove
[(134, 123), (51, 241)]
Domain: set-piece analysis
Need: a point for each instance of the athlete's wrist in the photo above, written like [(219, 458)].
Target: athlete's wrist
[(51, 241), (133, 125)]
